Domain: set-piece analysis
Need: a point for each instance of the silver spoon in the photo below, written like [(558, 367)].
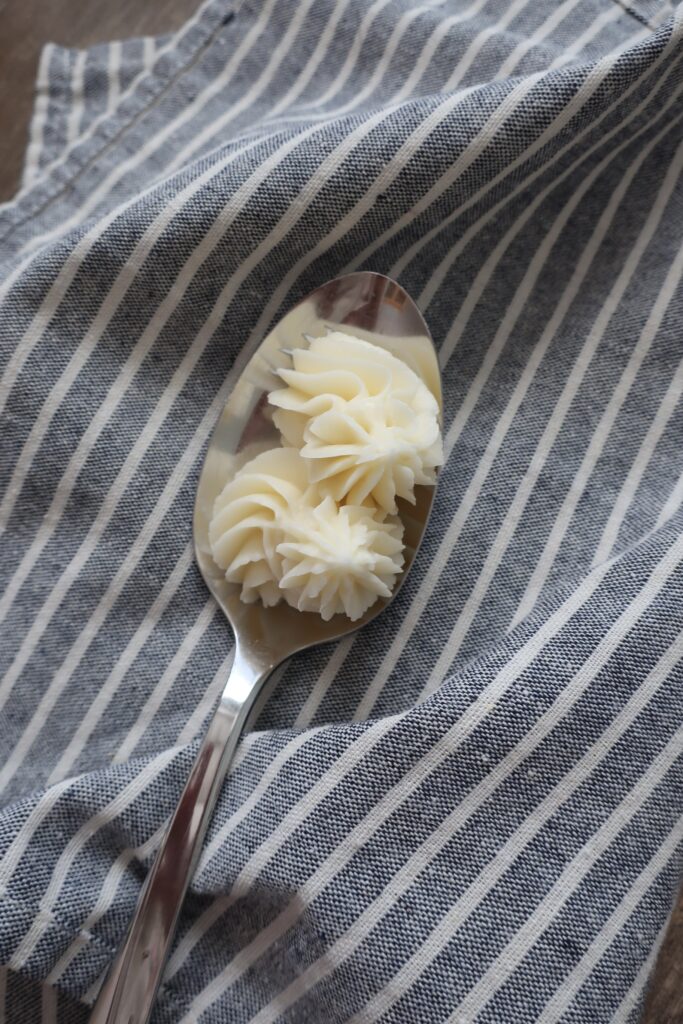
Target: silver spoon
[(367, 305)]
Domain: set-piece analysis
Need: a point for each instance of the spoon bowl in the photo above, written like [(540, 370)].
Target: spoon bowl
[(369, 306)]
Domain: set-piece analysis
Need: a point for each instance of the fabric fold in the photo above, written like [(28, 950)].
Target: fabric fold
[(471, 811)]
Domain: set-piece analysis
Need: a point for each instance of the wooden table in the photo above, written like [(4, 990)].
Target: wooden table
[(25, 25)]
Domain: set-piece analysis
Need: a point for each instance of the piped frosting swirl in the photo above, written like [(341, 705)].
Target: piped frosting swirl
[(366, 424), (273, 535), (339, 559), (246, 524)]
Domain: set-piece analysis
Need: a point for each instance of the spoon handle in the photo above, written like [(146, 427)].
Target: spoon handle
[(128, 993)]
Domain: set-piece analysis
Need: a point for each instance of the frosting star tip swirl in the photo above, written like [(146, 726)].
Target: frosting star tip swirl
[(365, 422), (315, 523)]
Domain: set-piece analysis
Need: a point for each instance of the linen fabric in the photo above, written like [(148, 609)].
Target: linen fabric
[(471, 810)]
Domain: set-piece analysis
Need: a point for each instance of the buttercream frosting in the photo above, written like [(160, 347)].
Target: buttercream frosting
[(339, 559), (366, 424), (245, 526)]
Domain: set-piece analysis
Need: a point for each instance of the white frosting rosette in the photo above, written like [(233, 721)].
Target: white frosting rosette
[(366, 424), (339, 559), (245, 526)]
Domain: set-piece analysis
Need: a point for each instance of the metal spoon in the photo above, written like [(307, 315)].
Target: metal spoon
[(367, 305)]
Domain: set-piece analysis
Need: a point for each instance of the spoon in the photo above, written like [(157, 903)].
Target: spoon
[(369, 306)]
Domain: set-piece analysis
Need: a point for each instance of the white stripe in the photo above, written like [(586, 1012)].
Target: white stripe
[(73, 122), (323, 683), (495, 869), (313, 62), (496, 28), (347, 943), (39, 118), (430, 47), (421, 63), (17, 848), (78, 841), (608, 15), (434, 570), (353, 54), (148, 54), (612, 929), (168, 677), (113, 74), (546, 28), (633, 997), (665, 412), (557, 417), (431, 760), (569, 880), (107, 690), (248, 99), (673, 503), (105, 898), (607, 420)]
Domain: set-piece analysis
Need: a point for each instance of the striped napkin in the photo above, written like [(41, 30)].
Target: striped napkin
[(471, 811)]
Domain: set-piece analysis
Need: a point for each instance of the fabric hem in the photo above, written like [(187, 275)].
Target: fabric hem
[(145, 96), (650, 13), (166, 999)]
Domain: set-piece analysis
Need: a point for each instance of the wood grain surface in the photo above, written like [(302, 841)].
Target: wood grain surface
[(25, 26)]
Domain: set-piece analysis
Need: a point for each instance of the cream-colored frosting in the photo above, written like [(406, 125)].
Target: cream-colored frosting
[(245, 527), (274, 536), (339, 559), (365, 423)]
